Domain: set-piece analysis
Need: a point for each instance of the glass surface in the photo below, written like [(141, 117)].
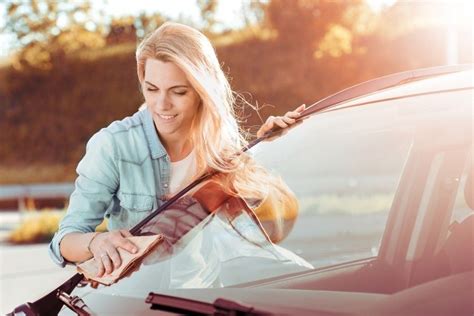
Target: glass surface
[(210, 240), (344, 167), (465, 195)]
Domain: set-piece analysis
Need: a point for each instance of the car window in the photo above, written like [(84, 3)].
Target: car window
[(441, 243), (344, 167), (464, 195), (210, 239)]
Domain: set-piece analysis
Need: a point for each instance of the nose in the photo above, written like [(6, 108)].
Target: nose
[(162, 102)]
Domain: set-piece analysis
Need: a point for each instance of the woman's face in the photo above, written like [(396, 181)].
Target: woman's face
[(170, 98)]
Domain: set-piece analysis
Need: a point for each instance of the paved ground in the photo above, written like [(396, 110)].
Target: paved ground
[(26, 272)]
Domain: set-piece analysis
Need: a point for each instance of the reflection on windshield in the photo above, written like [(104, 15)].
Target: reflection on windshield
[(210, 240)]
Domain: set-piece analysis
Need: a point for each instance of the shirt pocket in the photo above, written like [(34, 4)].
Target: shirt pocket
[(136, 202)]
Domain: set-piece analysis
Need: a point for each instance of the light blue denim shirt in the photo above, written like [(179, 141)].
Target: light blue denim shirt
[(123, 176)]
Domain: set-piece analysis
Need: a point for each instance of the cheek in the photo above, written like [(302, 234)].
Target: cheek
[(186, 103), (193, 107), (149, 98), (195, 102)]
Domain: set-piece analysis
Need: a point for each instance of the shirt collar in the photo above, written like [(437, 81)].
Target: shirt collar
[(156, 147)]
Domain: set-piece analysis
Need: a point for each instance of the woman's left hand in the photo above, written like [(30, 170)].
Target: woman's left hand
[(285, 121)]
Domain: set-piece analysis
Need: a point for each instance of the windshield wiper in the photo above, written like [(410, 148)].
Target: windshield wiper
[(75, 303), (176, 304)]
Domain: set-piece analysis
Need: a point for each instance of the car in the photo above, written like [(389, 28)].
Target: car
[(382, 172)]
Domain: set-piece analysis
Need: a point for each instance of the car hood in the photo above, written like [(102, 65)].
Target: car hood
[(274, 301), (445, 296)]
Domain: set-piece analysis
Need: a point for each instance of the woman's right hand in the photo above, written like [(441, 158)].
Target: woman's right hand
[(104, 249), (285, 122)]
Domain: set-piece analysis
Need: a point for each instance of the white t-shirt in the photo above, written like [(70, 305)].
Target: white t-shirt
[(182, 172)]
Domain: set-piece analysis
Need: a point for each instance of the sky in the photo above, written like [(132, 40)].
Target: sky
[(228, 12)]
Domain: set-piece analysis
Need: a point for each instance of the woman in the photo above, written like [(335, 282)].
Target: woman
[(188, 126)]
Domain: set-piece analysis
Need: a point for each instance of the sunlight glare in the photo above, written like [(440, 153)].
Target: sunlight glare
[(379, 5)]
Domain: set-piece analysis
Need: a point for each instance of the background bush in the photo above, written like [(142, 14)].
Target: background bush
[(38, 227)]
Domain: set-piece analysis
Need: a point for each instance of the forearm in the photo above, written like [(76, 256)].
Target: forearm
[(74, 246)]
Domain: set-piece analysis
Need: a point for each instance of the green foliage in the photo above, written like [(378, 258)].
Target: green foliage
[(47, 29)]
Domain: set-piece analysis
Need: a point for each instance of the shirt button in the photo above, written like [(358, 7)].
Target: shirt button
[(166, 185)]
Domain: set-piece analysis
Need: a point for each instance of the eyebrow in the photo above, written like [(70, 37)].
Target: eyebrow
[(177, 86)]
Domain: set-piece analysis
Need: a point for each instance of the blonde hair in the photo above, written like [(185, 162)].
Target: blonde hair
[(215, 133)]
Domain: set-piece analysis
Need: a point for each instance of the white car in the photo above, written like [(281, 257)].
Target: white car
[(383, 175)]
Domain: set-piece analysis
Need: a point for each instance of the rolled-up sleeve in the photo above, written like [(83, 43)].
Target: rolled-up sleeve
[(95, 186)]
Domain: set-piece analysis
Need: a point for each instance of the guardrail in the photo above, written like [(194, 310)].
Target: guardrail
[(34, 196)]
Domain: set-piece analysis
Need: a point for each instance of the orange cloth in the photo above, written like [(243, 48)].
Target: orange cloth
[(144, 244)]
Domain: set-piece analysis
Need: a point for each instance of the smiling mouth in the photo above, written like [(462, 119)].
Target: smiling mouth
[(167, 117)]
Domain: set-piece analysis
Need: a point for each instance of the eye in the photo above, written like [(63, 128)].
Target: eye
[(151, 89), (180, 92)]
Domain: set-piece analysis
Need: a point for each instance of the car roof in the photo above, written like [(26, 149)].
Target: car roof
[(378, 85), (456, 81)]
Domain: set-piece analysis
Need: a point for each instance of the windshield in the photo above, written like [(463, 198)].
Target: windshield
[(210, 240), (344, 168)]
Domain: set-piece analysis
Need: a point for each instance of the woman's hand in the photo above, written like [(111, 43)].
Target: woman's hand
[(282, 121), (104, 249)]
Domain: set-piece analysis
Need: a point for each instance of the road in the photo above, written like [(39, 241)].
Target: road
[(27, 273)]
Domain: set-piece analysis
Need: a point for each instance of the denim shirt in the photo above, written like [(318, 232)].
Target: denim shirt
[(123, 176)]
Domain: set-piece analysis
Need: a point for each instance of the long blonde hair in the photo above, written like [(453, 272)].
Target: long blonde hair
[(215, 133)]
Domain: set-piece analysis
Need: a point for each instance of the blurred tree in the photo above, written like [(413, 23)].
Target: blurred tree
[(146, 23), (122, 30), (253, 12), (336, 42), (341, 38), (303, 24), (208, 14), (50, 27), (303, 21)]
